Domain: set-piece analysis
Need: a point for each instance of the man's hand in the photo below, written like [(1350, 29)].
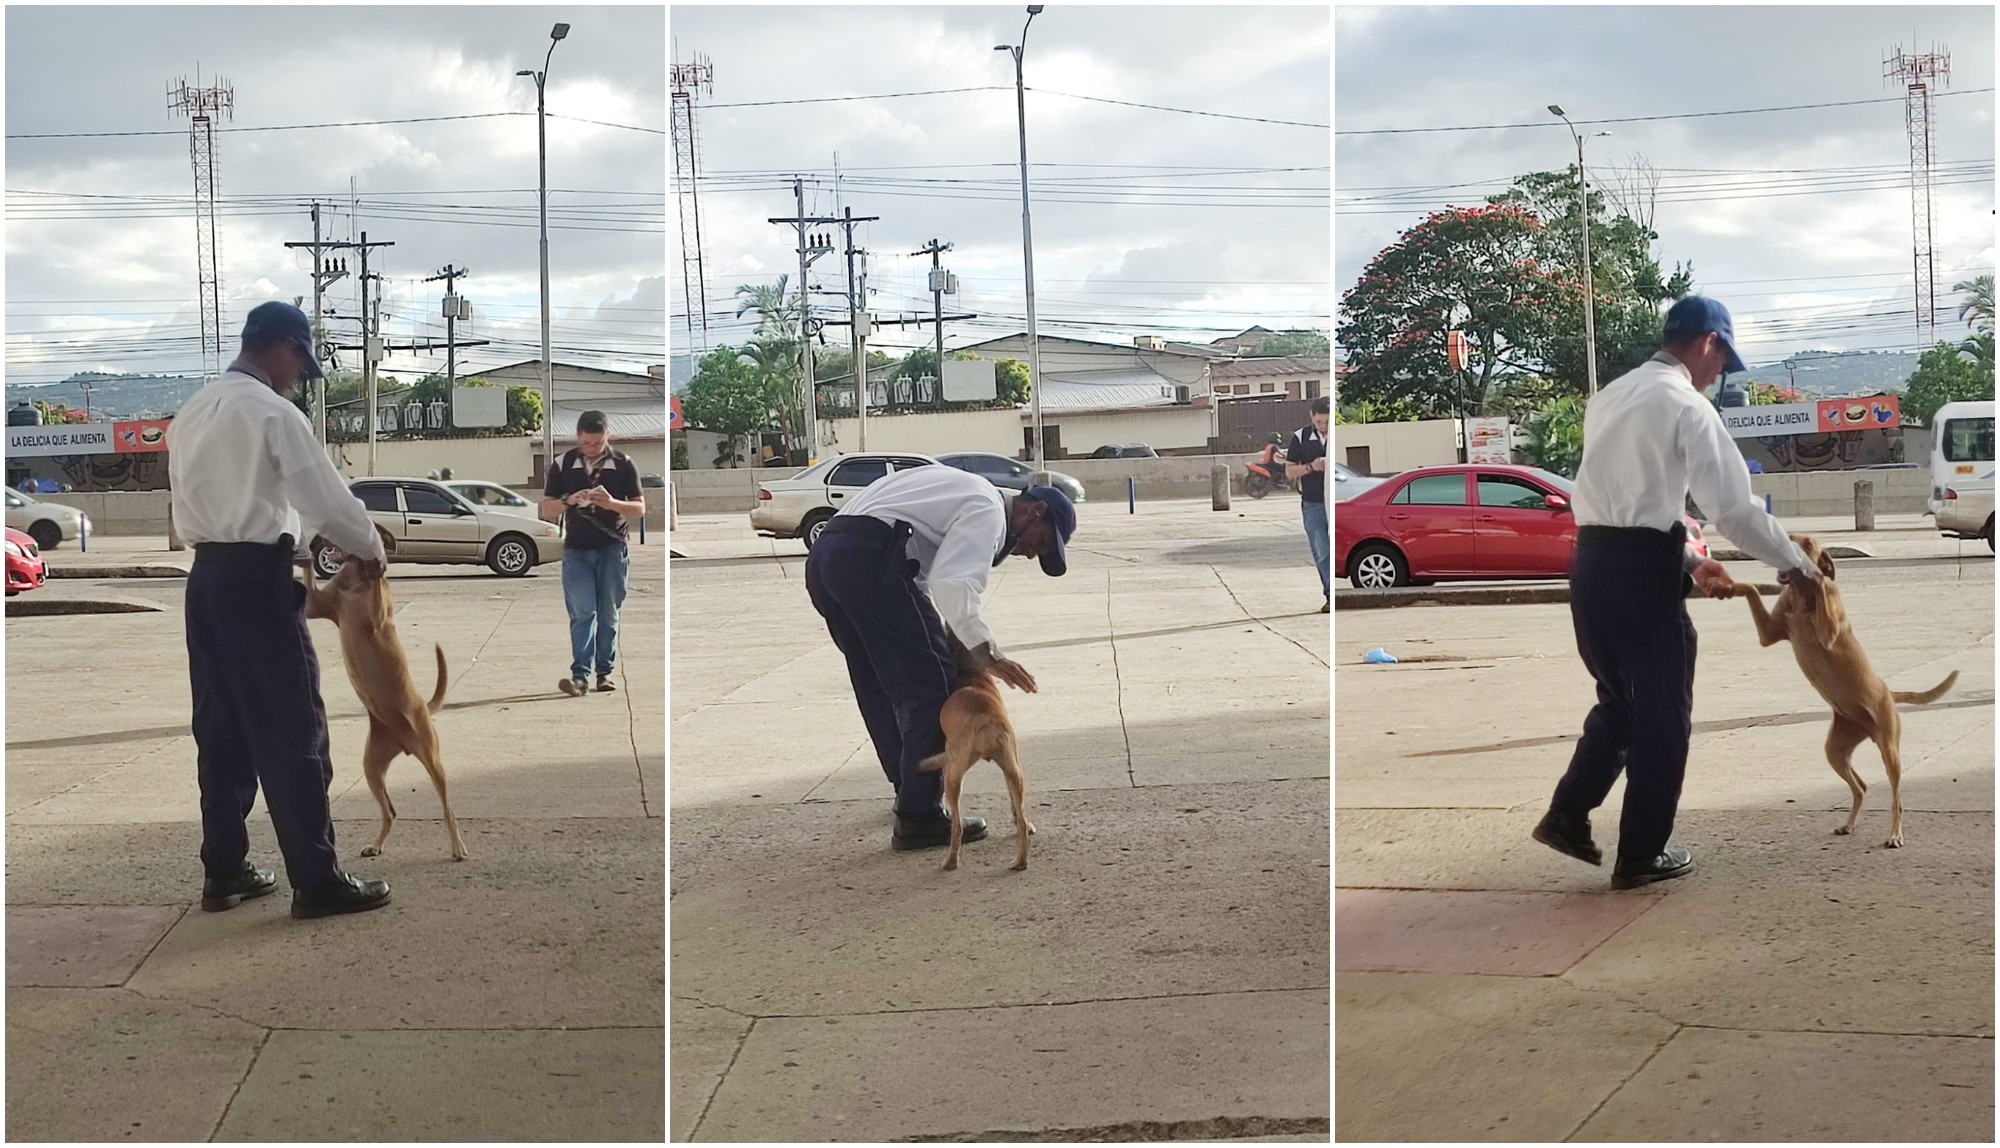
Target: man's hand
[(1713, 580), (368, 568), (1012, 673), (1319, 464)]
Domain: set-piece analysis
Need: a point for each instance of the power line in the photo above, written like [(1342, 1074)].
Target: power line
[(1179, 111), (314, 127), (1643, 119)]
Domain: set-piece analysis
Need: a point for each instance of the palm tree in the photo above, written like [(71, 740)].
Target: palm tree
[(776, 313), (1975, 309), (774, 360)]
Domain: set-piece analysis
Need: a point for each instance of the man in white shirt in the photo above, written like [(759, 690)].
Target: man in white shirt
[(1649, 441), (905, 560), (244, 465)]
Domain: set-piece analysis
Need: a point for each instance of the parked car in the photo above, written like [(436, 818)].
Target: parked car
[(652, 482), (49, 523), (432, 523), (25, 568), (1125, 450), (799, 506), (1008, 474), (1966, 510), (1461, 522), (1348, 483)]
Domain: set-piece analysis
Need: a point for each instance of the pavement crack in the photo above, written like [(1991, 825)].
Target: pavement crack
[(1124, 729), (1001, 1005), (1142, 1131), (632, 736), (1633, 1075), (255, 1055), (722, 1076), (1261, 622)]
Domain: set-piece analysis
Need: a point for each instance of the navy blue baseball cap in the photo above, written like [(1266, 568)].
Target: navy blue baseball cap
[(1699, 315), (281, 320), (1062, 516)]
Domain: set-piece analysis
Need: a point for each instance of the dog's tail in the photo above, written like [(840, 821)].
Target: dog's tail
[(437, 696), (933, 763), (1929, 695)]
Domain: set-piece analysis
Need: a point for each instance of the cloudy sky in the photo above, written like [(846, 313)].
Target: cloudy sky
[(100, 235), (1798, 220), (1145, 221)]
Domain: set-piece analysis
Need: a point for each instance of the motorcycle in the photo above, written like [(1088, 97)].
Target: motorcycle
[(1261, 478)]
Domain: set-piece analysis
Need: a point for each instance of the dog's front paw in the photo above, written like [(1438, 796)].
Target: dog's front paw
[(371, 851), (1843, 831), (1893, 843)]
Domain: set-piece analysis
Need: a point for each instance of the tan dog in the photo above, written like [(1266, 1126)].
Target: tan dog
[(1864, 707), (399, 719), (976, 729)]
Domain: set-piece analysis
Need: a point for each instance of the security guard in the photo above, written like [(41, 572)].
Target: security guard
[(1650, 439), (907, 558), (244, 464)]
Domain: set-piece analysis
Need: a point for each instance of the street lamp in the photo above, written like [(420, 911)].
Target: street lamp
[(542, 140), (1027, 235), (1589, 294)]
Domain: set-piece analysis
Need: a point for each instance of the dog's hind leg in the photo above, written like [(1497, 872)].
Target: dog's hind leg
[(1008, 758), (1889, 738), (956, 762), (375, 759), (1840, 743), (433, 761)]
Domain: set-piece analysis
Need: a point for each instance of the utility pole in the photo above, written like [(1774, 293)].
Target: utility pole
[(857, 307), (940, 283), (370, 341), (324, 273), (811, 248), (449, 274)]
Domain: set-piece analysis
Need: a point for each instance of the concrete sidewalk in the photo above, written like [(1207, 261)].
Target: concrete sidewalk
[(1161, 967), (515, 996), (1797, 986)]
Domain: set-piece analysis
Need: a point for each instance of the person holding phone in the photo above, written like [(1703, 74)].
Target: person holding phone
[(593, 490)]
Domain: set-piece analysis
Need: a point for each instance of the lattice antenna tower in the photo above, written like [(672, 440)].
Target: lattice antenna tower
[(1919, 75), (203, 106), (691, 81)]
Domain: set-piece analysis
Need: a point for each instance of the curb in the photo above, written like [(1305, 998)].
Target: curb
[(117, 572), (1480, 596), (64, 607), (1842, 552)]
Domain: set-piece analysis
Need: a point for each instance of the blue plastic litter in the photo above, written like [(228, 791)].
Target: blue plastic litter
[(1379, 657)]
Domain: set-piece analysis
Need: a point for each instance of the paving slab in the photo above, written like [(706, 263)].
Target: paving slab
[(82, 946), (112, 1066), (1499, 934), (705, 1043), (385, 1087), (1716, 1085), (1227, 1056)]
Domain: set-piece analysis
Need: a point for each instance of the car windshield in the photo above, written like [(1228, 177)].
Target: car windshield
[(481, 494)]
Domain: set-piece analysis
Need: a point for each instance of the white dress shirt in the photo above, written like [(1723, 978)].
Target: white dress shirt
[(241, 458), (958, 522), (1649, 441)]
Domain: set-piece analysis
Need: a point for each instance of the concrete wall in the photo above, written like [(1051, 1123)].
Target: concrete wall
[(503, 460), (1179, 476), (1832, 492), (1001, 432), (124, 513), (1397, 447)]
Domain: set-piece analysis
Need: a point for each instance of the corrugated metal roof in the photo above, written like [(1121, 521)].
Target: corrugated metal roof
[(629, 419), (1106, 390)]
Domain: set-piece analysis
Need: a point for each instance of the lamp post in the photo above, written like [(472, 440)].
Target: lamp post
[(1589, 294), (1027, 237), (542, 142)]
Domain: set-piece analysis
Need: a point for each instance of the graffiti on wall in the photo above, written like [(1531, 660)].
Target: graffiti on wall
[(96, 472)]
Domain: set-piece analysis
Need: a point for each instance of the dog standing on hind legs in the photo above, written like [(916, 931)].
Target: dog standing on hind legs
[(976, 729), (1814, 619), (399, 718)]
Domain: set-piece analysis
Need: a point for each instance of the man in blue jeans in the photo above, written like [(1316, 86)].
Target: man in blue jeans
[(1305, 460), (593, 490)]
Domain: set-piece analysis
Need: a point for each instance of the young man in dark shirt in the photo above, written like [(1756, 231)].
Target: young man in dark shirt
[(593, 490), (1305, 460)]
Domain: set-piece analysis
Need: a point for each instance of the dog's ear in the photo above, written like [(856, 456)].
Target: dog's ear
[(1825, 563)]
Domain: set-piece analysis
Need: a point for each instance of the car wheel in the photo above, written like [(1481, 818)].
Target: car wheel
[(511, 556), (1378, 567), (1987, 534), (46, 534), (814, 525), (326, 559)]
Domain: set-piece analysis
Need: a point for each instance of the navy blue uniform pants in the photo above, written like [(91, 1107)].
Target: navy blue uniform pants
[(258, 718), (865, 587), (1628, 605)]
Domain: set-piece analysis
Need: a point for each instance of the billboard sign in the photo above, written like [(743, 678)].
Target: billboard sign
[(73, 439), (1876, 412)]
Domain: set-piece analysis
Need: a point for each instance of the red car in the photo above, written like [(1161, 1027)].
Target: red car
[(25, 568), (1461, 523)]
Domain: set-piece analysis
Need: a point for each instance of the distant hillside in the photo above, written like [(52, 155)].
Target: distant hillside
[(1831, 374), (111, 396)]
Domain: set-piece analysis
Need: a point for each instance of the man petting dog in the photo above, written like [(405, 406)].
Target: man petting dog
[(240, 458), (1649, 441), (907, 558), (593, 490)]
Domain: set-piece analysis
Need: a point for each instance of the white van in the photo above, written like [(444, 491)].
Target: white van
[(1961, 448)]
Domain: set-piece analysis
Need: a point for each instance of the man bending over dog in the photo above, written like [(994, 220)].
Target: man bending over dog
[(905, 559)]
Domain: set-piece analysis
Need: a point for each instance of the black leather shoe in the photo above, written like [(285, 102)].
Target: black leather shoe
[(932, 830), (219, 893), (1675, 862), (1565, 834), (347, 894)]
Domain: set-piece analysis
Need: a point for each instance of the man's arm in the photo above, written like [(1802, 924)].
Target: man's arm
[(957, 577), (631, 499), (552, 502), (1720, 483), (1293, 446), (315, 489)]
